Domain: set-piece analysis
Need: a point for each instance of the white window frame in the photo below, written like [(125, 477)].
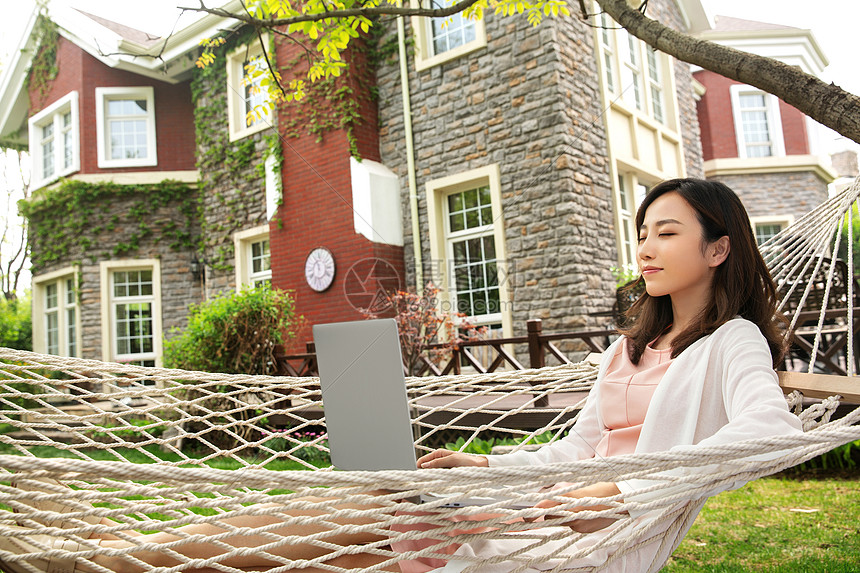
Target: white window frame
[(774, 120), (655, 84), (108, 312), (424, 54), (606, 33), (441, 253), (242, 244), (67, 346), (632, 72), (629, 189), (53, 114), (236, 115), (784, 221), (103, 140)]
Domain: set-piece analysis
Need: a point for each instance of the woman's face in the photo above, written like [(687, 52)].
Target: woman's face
[(672, 255)]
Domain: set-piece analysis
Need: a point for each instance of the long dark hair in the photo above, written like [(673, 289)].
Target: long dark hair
[(742, 285)]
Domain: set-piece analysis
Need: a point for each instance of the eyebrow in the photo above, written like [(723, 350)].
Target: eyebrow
[(660, 223)]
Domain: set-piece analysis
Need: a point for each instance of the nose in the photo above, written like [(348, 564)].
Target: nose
[(644, 250)]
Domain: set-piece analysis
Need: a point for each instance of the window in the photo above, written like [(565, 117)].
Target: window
[(440, 40), (131, 311), (55, 313), (633, 69), (245, 96), (451, 33), (757, 123), (631, 72), (125, 127), (630, 193), (766, 227), (467, 246), (253, 266), (472, 250), (606, 41), (54, 140), (655, 83)]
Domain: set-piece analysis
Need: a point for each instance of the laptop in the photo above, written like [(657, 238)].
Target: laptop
[(364, 399)]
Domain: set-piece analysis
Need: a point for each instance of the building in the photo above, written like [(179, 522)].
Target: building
[(761, 147), (511, 184)]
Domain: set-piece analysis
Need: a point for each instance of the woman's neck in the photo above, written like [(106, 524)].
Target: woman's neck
[(685, 311)]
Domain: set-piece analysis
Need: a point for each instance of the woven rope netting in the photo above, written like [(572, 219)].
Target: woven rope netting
[(152, 451)]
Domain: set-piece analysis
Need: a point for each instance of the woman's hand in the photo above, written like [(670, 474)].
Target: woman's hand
[(600, 489), (449, 459)]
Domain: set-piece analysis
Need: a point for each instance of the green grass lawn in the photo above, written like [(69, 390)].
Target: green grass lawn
[(778, 524)]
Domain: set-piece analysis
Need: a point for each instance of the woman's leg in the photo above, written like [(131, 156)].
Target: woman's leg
[(206, 551)]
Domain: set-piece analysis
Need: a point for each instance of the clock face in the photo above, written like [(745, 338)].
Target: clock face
[(319, 269)]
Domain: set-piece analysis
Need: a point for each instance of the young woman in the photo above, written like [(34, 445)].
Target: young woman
[(695, 368)]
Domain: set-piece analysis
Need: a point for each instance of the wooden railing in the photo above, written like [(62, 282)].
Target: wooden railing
[(539, 345)]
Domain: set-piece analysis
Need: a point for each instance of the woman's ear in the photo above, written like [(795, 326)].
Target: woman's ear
[(718, 251)]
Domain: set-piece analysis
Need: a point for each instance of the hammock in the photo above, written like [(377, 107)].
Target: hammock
[(155, 449)]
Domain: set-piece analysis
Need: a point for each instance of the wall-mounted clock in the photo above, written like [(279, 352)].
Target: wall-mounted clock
[(319, 269)]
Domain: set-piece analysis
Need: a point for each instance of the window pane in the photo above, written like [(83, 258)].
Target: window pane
[(765, 231), (51, 297), (134, 328), (455, 202), (253, 92), (52, 332), (71, 332), (48, 159), (126, 107), (450, 33), (70, 292), (260, 259), (458, 221), (128, 139)]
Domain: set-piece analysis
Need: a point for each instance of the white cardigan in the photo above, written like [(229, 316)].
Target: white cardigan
[(721, 389)]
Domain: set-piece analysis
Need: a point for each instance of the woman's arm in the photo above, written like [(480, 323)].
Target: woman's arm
[(449, 459)]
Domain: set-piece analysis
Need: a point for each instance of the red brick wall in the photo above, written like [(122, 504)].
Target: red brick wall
[(716, 120), (316, 209), (715, 117), (794, 130), (174, 115)]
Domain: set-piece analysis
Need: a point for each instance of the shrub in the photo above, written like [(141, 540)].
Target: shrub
[(234, 333), (16, 324)]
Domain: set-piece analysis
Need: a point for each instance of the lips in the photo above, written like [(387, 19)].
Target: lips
[(650, 270)]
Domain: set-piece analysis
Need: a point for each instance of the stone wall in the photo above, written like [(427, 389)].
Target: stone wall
[(530, 103), (231, 175), (776, 194), (112, 231)]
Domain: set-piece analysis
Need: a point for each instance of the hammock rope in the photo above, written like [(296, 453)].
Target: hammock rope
[(154, 450)]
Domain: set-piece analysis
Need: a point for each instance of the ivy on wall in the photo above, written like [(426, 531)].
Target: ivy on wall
[(65, 222), (44, 67)]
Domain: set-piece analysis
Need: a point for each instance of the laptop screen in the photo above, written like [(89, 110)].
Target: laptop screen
[(364, 395)]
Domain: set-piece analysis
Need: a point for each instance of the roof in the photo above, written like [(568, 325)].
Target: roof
[(115, 45), (790, 45), (729, 24), (125, 32)]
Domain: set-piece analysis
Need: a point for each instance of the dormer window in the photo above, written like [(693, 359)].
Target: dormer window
[(246, 97), (54, 137), (125, 127)]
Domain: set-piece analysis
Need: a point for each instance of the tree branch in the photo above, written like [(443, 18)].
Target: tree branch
[(331, 14), (827, 104)]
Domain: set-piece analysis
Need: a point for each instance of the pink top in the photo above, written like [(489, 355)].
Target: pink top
[(625, 392)]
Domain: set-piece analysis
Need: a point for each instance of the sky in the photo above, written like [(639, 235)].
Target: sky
[(833, 23)]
